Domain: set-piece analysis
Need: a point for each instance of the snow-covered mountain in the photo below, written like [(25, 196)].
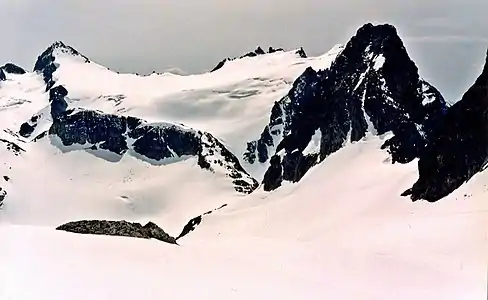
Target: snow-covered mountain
[(278, 175)]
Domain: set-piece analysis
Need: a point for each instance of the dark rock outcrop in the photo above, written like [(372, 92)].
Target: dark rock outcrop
[(302, 53), (13, 69), (459, 149), (118, 228), (218, 66), (372, 85), (274, 174), (58, 103), (3, 77), (190, 226), (26, 129), (46, 62), (273, 50)]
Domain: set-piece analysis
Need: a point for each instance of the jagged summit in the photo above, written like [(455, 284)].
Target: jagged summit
[(372, 86), (259, 51), (45, 63)]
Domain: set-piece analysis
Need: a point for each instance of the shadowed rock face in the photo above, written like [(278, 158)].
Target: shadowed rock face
[(3, 77), (459, 149), (118, 228), (372, 86)]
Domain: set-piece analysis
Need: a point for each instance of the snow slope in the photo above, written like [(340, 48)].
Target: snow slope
[(342, 232)]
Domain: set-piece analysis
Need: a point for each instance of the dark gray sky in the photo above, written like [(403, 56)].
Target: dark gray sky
[(447, 38)]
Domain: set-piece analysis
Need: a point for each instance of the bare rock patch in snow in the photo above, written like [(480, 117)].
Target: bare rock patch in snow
[(118, 228)]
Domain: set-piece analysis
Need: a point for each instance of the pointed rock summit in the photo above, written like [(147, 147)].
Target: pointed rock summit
[(372, 86), (46, 65), (459, 149)]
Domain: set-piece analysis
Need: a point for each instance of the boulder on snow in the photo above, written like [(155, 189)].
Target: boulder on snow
[(118, 228)]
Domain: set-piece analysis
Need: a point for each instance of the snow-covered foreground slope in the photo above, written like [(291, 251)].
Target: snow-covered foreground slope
[(342, 233)]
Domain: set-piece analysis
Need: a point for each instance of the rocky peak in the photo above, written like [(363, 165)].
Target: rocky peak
[(459, 148), (46, 65), (372, 86)]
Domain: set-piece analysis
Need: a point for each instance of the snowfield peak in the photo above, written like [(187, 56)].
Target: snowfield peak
[(258, 52), (46, 65)]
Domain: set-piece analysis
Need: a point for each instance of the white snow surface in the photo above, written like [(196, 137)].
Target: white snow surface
[(343, 232), (379, 62)]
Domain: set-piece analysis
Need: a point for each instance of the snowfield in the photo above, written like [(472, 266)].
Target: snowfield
[(343, 232)]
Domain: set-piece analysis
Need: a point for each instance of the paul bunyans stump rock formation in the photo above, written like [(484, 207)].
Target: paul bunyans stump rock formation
[(119, 228)]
